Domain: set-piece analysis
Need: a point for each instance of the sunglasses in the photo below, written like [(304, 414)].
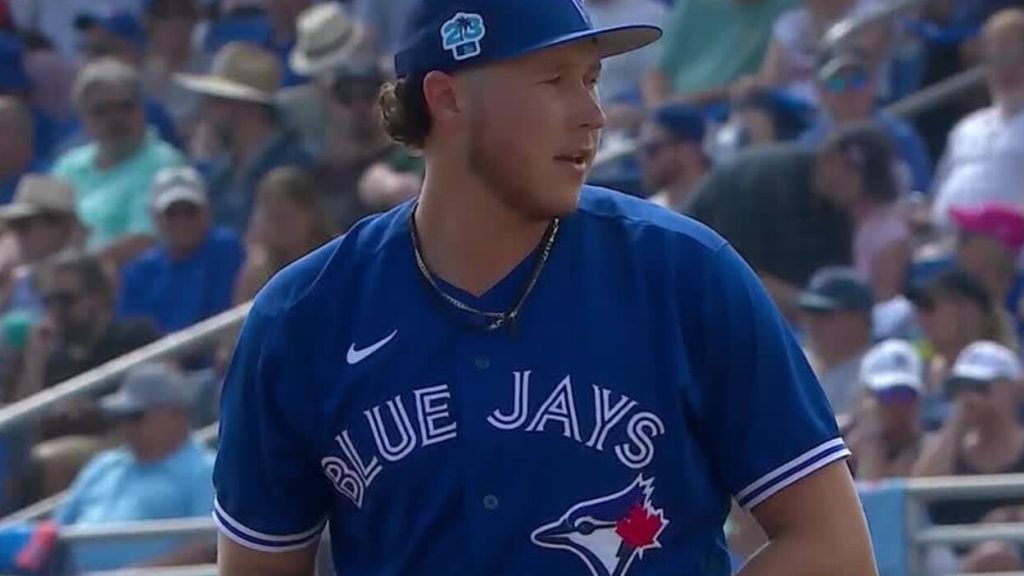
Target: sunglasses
[(653, 148), (896, 395), (957, 386), (181, 210), (113, 107), (850, 81), (60, 299), (23, 225)]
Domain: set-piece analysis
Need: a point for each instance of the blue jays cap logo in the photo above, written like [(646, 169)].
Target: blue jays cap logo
[(608, 533), (462, 35)]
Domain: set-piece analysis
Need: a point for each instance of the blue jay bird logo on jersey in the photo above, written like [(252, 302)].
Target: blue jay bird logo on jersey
[(462, 35), (610, 532)]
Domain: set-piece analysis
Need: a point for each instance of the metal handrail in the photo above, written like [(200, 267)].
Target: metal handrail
[(203, 526), (965, 487), (938, 93), (204, 436), (106, 376), (970, 534), (199, 570)]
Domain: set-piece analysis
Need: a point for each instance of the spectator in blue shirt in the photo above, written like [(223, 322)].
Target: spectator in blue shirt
[(846, 85), (161, 473), (241, 136), (15, 82), (189, 276)]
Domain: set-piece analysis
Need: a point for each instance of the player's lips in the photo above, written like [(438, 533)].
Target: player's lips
[(580, 159)]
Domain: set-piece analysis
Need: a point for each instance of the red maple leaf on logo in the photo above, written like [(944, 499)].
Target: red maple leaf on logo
[(639, 528)]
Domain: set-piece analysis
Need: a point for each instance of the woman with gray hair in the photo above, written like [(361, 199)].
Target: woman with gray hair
[(112, 172)]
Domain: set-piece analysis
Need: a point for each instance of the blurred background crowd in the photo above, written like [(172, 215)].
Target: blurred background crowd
[(160, 160)]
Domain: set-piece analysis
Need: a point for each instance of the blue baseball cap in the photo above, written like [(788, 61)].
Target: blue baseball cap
[(684, 122), (452, 35), (123, 25), (836, 289)]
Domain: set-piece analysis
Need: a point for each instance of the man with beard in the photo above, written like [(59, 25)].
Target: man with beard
[(515, 373), (240, 136), (362, 171), (76, 333)]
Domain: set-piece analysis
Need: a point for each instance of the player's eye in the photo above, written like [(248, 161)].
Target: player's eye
[(553, 81)]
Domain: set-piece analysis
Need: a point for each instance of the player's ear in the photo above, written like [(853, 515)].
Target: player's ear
[(441, 94)]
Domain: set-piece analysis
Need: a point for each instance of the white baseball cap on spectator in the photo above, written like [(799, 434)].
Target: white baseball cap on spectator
[(892, 364), (178, 184), (327, 36), (985, 361)]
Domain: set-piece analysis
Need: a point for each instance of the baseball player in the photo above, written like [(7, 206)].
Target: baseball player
[(516, 374)]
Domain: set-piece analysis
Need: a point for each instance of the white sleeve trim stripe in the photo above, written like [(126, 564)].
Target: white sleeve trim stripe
[(237, 539), (789, 466), (242, 530), (775, 489)]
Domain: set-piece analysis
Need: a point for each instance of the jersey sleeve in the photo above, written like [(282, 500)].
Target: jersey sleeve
[(765, 415), (270, 495)]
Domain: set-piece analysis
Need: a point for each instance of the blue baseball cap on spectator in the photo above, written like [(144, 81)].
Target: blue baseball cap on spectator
[(452, 35), (836, 289), (123, 25), (683, 122), (12, 66)]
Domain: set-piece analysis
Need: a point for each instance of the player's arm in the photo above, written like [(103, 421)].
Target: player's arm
[(814, 527), (771, 434), (271, 499), (233, 559)]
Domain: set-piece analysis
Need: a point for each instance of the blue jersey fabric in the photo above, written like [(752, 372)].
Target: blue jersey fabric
[(648, 381)]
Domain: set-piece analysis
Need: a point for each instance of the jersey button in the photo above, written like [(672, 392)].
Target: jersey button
[(490, 502), (482, 363)]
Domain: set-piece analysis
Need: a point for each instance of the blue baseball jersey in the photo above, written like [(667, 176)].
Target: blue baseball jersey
[(649, 380)]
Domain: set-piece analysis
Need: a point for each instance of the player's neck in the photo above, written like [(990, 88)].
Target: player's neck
[(468, 237)]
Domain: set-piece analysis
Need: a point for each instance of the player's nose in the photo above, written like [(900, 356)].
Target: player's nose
[(590, 114)]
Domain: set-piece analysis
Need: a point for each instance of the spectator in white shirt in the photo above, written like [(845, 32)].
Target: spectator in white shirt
[(984, 160)]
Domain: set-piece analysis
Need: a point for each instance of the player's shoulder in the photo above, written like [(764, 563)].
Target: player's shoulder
[(645, 224), (323, 276)]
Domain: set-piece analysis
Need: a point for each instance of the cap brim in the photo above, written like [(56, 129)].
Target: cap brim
[(974, 373), (817, 303), (611, 41), (118, 405), (15, 211), (894, 380), (215, 86), (174, 196)]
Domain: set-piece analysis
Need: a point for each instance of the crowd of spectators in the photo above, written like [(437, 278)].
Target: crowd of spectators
[(160, 160)]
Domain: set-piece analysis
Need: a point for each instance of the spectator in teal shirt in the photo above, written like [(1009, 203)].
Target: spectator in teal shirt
[(160, 474), (710, 44), (111, 175)]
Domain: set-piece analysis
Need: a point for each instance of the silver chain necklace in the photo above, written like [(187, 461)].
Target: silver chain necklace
[(497, 319)]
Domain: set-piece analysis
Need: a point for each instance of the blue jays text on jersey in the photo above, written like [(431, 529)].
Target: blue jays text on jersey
[(650, 381)]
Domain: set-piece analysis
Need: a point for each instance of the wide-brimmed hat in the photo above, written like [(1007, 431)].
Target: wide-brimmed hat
[(240, 71), (40, 194), (327, 37)]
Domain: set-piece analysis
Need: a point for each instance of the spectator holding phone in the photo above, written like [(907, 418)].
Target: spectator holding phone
[(982, 435), (886, 433)]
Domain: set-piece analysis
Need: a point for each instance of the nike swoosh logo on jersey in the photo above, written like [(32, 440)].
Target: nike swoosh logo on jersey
[(355, 356)]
